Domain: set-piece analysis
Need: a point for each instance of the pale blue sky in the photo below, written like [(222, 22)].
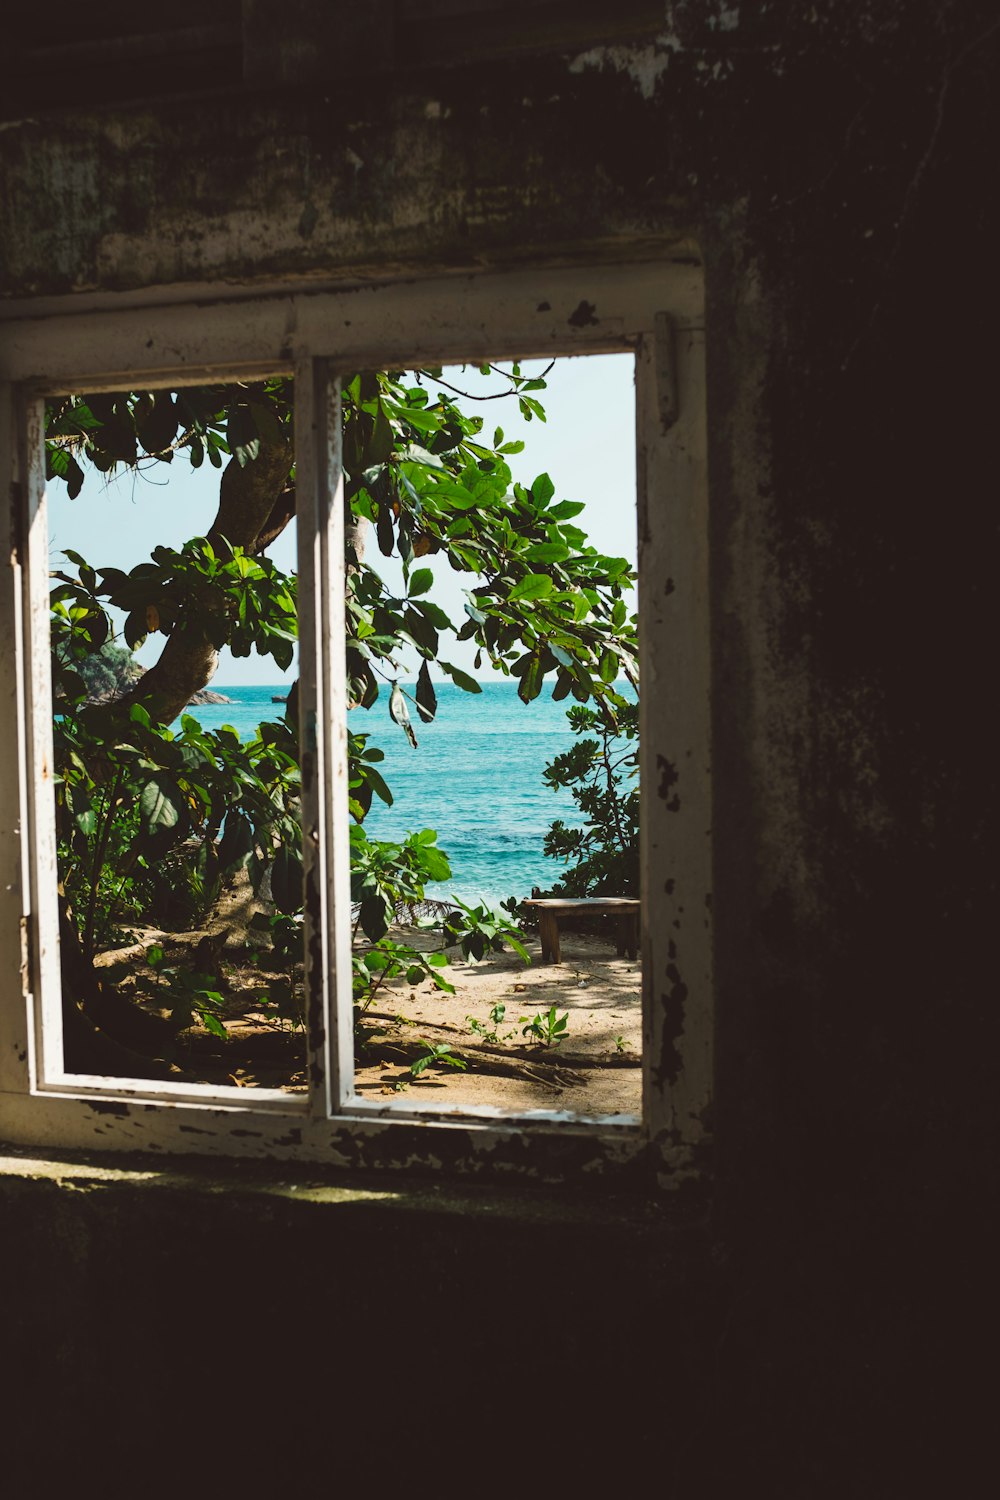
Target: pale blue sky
[(587, 446)]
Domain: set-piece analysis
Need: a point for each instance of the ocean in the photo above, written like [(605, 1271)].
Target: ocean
[(476, 777)]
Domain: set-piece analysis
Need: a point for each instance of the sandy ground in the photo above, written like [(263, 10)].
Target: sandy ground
[(594, 1070)]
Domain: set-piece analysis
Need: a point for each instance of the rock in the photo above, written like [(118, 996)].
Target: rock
[(205, 695)]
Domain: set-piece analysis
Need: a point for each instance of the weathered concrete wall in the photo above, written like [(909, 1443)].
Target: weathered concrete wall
[(829, 166)]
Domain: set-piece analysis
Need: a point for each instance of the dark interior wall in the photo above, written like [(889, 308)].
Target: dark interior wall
[(832, 165)]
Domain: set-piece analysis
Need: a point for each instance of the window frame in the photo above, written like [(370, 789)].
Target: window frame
[(654, 311)]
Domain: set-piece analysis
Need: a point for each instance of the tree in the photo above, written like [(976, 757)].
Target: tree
[(109, 672), (601, 772), (542, 604)]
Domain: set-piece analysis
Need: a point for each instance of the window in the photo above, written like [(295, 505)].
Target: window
[(653, 311)]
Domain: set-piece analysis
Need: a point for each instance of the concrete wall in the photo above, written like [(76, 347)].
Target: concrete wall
[(818, 1317)]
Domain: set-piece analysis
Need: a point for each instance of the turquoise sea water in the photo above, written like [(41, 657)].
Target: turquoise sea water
[(476, 777)]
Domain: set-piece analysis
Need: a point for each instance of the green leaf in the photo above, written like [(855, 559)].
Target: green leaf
[(286, 880), (547, 552), (241, 436), (532, 586), (157, 430), (531, 681), (73, 476), (426, 699), (542, 488), (84, 815), (158, 805), (435, 864), (379, 445), (135, 628), (236, 844), (435, 614), (377, 785), (420, 582), (461, 679), (413, 416), (383, 528)]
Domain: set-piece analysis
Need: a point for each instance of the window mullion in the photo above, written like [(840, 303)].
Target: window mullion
[(675, 663), (323, 732), (15, 934), (42, 941)]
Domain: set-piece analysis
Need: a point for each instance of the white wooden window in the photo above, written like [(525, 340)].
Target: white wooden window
[(653, 310)]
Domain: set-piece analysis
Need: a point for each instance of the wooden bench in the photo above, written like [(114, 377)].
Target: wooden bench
[(550, 909)]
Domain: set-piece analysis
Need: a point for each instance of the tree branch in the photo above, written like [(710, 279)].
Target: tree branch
[(247, 508)]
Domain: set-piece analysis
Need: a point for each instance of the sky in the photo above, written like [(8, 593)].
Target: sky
[(586, 446)]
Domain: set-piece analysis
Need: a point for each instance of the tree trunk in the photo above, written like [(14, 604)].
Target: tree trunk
[(251, 502)]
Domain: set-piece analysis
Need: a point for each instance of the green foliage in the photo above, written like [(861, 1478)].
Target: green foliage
[(601, 772), (153, 819), (388, 880), (479, 930), (133, 427), (439, 1056), (547, 1028), (490, 1033), (242, 602), (281, 1006), (418, 469), (546, 603), (387, 877), (110, 671), (187, 993), (140, 807)]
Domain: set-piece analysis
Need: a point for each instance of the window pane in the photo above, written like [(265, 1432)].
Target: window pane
[(493, 736), (176, 746)]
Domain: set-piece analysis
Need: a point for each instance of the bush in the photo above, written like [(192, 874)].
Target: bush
[(601, 773)]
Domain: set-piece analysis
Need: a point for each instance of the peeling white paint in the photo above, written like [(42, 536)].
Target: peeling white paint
[(405, 323)]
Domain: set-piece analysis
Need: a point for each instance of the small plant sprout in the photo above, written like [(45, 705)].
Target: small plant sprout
[(282, 1008), (488, 1033), (188, 993), (440, 1056), (547, 1029)]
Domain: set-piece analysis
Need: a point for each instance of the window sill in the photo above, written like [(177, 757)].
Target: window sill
[(315, 1192)]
